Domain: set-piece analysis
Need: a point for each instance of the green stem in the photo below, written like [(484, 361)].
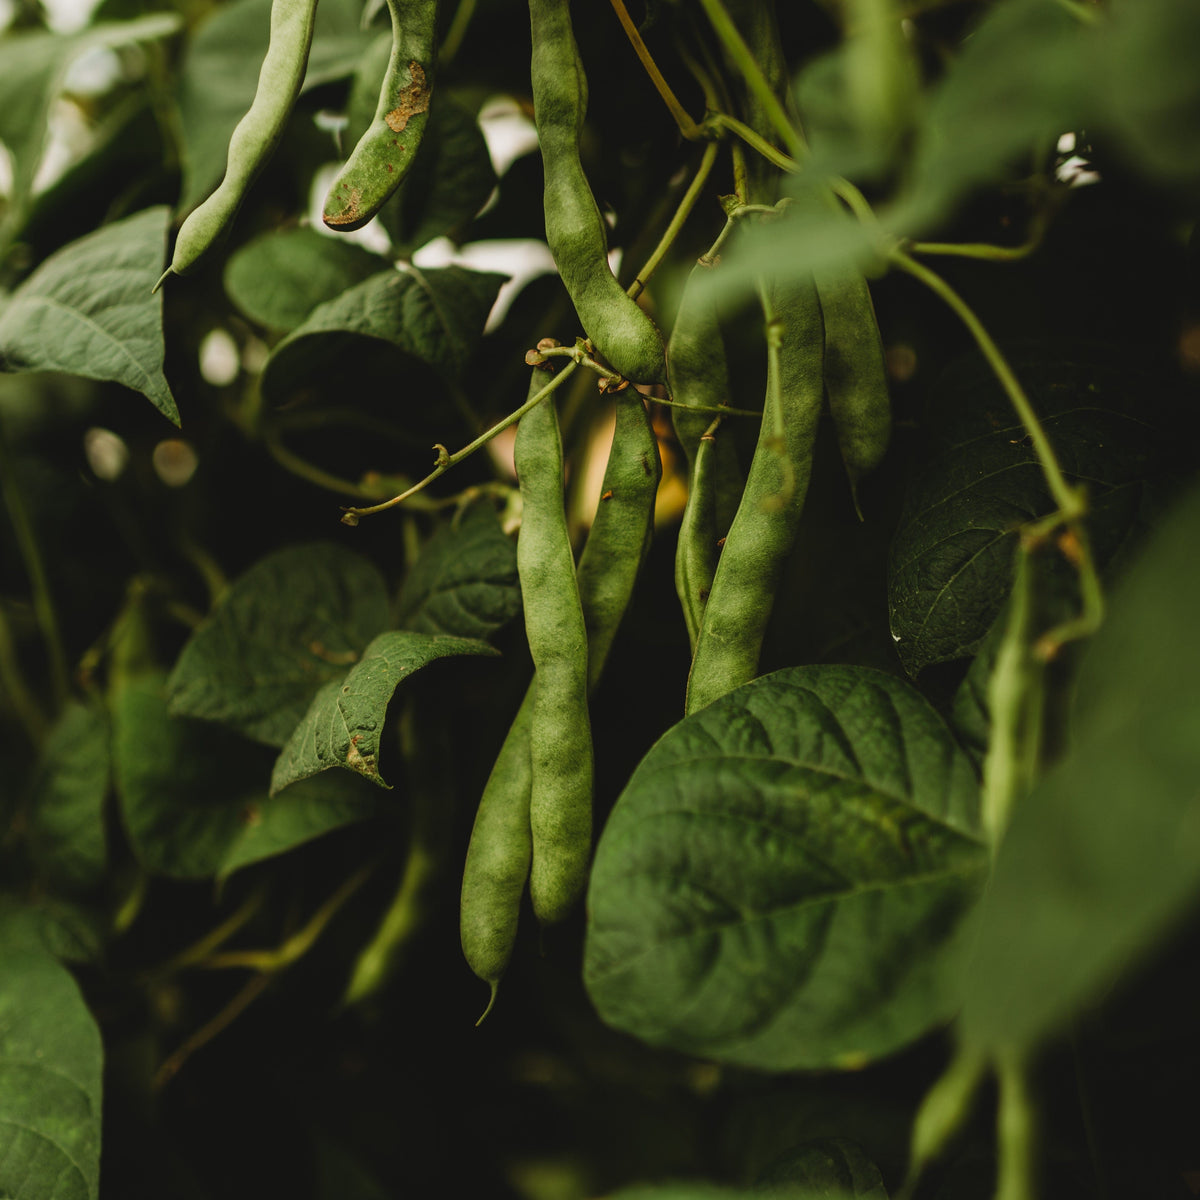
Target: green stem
[(723, 410), (677, 221), (687, 126), (1081, 11), (1070, 501), (736, 46), (1016, 1130), (720, 120), (456, 32), (296, 946), (35, 568), (446, 461), (12, 681)]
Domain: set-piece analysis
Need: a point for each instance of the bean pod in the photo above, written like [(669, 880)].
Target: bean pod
[(575, 229), (698, 377), (768, 517), (385, 152), (855, 374), (498, 858), (256, 135)]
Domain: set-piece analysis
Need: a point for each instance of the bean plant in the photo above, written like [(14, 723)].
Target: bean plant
[(754, 752)]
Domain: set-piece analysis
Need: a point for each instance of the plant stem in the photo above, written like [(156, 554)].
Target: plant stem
[(677, 221), (296, 946), (456, 32), (687, 126), (446, 460), (721, 120), (1069, 500), (734, 43), (1015, 1129), (12, 681), (35, 568)]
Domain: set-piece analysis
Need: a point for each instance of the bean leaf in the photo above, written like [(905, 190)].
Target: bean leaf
[(294, 621), (87, 310), (343, 724), (465, 581), (280, 277), (50, 1081), (781, 881)]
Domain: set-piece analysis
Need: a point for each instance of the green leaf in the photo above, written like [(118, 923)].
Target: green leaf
[(291, 623), (465, 581), (826, 1167), (1151, 88), (194, 797), (66, 822), (280, 277), (1105, 852), (219, 77), (343, 723), (1024, 76), (713, 1191), (450, 180), (436, 316), (781, 881), (33, 67), (50, 1077), (88, 310), (951, 557)]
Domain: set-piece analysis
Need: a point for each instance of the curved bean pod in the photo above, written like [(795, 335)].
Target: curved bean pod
[(256, 135), (498, 857), (560, 737), (379, 162), (697, 375), (575, 229), (855, 374), (764, 530), (499, 854)]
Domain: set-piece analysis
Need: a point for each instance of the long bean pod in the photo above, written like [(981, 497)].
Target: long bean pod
[(698, 376), (575, 229), (256, 135), (764, 530), (560, 738), (385, 152), (499, 854)]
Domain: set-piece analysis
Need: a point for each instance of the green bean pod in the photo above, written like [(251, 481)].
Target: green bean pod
[(385, 152), (560, 737), (855, 374), (575, 229), (764, 530), (256, 135), (498, 857), (698, 376), (621, 530)]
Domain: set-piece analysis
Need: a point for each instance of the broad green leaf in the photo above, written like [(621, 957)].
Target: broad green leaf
[(450, 180), (952, 554), (344, 721), (436, 316), (781, 882), (66, 821), (1105, 852), (33, 66), (1151, 88), (280, 277), (1022, 78), (194, 797), (291, 623), (88, 310), (828, 1167), (50, 1077), (219, 77), (465, 581), (70, 932)]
